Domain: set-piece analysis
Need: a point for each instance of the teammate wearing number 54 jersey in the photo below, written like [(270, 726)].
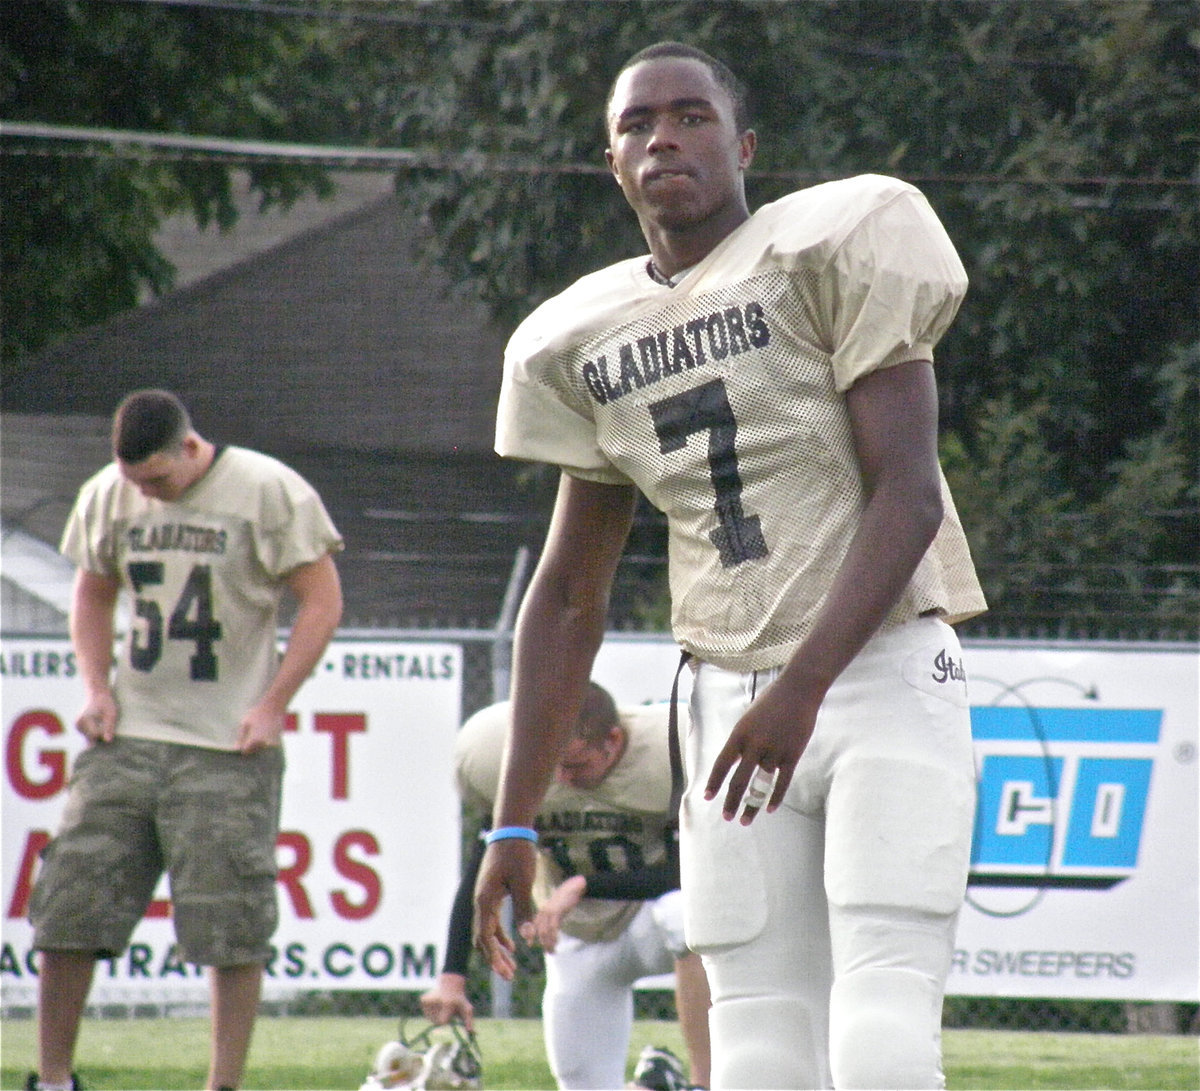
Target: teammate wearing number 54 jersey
[(184, 768), (766, 381)]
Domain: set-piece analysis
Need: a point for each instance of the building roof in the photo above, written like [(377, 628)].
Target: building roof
[(338, 337), (337, 349)]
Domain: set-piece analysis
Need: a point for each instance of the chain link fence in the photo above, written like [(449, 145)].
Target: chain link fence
[(484, 675)]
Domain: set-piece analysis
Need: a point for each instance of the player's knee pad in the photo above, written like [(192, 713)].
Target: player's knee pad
[(667, 913), (885, 1030), (768, 1042)]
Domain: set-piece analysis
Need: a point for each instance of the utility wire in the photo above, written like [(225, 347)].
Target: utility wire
[(122, 143), (373, 11)]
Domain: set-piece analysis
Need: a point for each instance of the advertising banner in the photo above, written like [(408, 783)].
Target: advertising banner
[(1085, 868), (1085, 865), (369, 844)]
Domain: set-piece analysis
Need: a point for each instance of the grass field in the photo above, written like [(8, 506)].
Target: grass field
[(307, 1053)]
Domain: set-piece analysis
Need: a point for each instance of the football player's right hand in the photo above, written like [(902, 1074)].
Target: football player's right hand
[(448, 999), (507, 871)]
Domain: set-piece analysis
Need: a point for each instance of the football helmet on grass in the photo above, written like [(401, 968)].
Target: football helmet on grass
[(436, 1058)]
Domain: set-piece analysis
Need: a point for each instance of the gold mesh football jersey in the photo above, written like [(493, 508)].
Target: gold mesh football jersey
[(203, 574), (722, 399), (618, 826)]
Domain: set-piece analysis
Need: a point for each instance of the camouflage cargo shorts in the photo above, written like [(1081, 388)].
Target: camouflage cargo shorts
[(137, 808)]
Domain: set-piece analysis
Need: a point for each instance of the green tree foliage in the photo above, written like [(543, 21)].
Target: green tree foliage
[(78, 225), (1057, 140)]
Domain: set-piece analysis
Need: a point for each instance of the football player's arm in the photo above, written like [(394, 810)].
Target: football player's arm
[(448, 998), (318, 593), (893, 417), (639, 884), (547, 921), (93, 602), (559, 630)]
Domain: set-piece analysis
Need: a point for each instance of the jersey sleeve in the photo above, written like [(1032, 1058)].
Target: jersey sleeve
[(533, 422), (478, 752), (538, 417), (87, 540), (293, 528), (891, 289)]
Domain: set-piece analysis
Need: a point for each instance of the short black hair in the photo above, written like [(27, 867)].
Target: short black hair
[(146, 422), (597, 716), (721, 72)]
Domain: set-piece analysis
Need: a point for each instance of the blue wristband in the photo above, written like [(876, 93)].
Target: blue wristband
[(509, 833)]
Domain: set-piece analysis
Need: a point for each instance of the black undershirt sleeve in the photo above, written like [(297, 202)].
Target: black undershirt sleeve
[(640, 884), (458, 934)]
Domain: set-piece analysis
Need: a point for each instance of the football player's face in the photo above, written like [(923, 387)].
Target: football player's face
[(674, 147), (165, 475), (585, 763)]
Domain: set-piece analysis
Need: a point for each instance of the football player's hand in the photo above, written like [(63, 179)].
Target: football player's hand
[(507, 871), (766, 742), (545, 926), (261, 727), (448, 999), (98, 720)]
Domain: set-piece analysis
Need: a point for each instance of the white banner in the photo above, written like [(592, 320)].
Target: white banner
[(369, 843), (1084, 878), (1086, 864)]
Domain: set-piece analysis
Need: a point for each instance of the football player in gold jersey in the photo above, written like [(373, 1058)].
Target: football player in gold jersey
[(767, 382), (607, 890), (184, 765)]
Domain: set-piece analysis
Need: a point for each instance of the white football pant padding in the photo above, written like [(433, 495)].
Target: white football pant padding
[(667, 913), (767, 1043), (885, 1030), (587, 1008), (859, 875), (769, 1023), (724, 896), (886, 1006)]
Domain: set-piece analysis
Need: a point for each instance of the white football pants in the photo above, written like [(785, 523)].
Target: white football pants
[(827, 928), (587, 1007)]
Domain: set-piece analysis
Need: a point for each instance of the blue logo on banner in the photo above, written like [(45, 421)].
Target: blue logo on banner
[(1062, 794)]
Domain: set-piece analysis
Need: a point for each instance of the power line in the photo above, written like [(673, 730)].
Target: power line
[(128, 144), (374, 11)]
